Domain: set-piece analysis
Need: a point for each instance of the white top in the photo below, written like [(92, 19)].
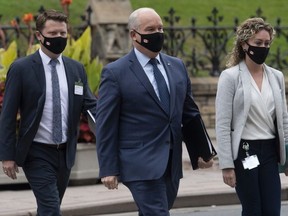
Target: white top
[(44, 133), (260, 120)]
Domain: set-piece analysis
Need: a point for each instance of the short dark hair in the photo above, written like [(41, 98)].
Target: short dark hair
[(50, 15)]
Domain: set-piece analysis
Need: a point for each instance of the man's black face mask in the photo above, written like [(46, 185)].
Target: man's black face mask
[(153, 42), (55, 45)]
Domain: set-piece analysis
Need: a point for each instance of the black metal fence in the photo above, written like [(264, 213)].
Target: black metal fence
[(202, 48), (24, 34)]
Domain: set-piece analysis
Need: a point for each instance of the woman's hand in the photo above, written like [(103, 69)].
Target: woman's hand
[(229, 177), (286, 171)]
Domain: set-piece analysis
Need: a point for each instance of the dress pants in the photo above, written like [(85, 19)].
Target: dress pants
[(155, 197), (259, 189), (48, 176)]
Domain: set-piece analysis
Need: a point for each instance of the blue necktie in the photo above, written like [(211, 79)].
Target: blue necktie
[(162, 86), (57, 119)]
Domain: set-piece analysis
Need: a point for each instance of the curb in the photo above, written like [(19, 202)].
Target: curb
[(213, 199)]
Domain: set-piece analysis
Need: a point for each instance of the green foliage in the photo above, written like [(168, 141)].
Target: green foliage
[(80, 50), (6, 58), (94, 74)]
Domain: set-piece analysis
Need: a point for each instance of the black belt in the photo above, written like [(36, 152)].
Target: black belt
[(55, 146), (273, 140)]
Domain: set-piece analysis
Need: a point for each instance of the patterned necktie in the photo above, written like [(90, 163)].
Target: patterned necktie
[(162, 86), (57, 119)]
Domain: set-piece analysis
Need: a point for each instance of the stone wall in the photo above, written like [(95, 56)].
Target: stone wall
[(204, 93)]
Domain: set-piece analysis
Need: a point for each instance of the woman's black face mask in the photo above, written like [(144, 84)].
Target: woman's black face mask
[(257, 54)]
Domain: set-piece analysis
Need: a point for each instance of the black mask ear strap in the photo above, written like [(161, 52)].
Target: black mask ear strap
[(41, 33), (42, 36), (247, 43), (137, 32), (245, 50)]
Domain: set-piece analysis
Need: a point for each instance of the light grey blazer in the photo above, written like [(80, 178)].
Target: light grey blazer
[(233, 101)]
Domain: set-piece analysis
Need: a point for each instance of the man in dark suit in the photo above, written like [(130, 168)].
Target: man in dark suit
[(44, 145), (139, 119)]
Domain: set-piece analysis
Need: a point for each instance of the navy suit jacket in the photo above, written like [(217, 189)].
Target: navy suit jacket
[(133, 133), (25, 89)]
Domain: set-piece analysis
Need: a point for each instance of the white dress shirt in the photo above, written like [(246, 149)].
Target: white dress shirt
[(148, 68), (44, 133)]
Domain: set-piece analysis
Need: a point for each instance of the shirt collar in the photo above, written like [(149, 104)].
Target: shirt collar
[(46, 59), (143, 59)]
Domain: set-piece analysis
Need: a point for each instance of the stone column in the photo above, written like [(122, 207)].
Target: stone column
[(110, 36)]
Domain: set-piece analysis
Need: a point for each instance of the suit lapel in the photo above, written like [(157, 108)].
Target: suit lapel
[(137, 69), (246, 83), (169, 71), (275, 86), (69, 75), (39, 71)]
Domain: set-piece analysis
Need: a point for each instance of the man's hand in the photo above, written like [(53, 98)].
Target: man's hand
[(10, 168), (229, 177), (111, 182), (202, 164)]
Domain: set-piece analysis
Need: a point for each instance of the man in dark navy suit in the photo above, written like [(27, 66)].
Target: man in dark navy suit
[(50, 91), (144, 99)]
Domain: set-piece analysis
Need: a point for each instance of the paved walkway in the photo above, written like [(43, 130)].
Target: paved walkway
[(197, 188)]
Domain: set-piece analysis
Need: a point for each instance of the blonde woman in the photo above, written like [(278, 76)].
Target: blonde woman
[(252, 121)]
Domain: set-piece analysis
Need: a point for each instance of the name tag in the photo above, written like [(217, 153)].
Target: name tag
[(78, 88), (250, 162)]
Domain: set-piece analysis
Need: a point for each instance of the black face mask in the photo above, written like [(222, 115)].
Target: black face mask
[(257, 54), (55, 45), (152, 42)]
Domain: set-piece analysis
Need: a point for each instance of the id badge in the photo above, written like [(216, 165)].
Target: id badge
[(250, 162), (78, 88)]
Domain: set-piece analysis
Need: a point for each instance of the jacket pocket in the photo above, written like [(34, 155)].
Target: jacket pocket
[(131, 144)]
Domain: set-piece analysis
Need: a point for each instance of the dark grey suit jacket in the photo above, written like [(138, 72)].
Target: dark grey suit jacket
[(25, 92)]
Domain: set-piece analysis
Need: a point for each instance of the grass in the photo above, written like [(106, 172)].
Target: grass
[(230, 9), (187, 9)]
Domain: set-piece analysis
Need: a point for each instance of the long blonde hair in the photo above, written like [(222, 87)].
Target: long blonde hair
[(244, 32)]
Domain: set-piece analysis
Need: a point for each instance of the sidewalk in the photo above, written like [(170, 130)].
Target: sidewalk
[(197, 188)]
